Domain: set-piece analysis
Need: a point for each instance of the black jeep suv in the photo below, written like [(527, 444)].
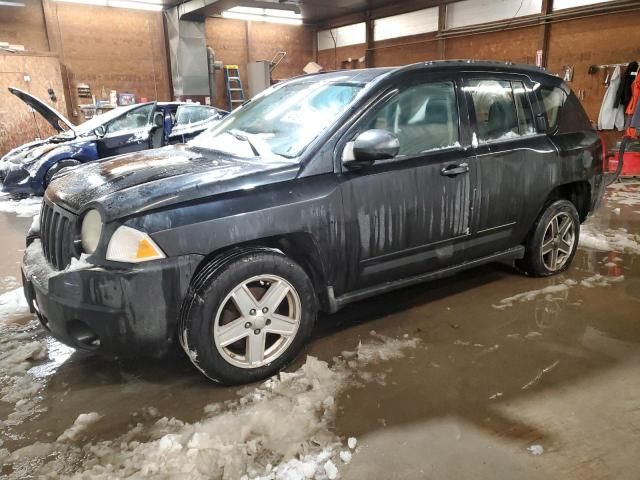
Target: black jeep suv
[(323, 190)]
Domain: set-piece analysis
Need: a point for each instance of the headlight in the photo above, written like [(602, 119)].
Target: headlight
[(130, 245), (90, 231)]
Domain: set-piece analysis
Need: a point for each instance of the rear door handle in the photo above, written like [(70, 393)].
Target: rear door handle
[(453, 170)]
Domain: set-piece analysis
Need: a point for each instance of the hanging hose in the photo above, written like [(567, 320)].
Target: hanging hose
[(623, 148)]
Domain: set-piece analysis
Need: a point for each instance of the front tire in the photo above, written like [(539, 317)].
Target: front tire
[(247, 316), (553, 243)]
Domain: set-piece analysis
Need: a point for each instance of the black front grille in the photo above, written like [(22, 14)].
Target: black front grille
[(56, 233)]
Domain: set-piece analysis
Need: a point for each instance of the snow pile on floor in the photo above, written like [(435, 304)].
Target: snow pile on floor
[(609, 240), (12, 305), (26, 207), (624, 193), (279, 430), (81, 424), (548, 293), (19, 351)]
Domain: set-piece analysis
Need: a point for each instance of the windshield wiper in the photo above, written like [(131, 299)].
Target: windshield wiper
[(243, 138)]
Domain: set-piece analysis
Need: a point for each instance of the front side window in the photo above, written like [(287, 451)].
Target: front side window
[(282, 121), (495, 110), (424, 117), (132, 120)]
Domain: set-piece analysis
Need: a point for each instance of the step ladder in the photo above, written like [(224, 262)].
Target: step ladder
[(235, 92)]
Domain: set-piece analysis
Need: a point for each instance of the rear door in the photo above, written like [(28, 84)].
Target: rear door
[(408, 214), (128, 133), (511, 161)]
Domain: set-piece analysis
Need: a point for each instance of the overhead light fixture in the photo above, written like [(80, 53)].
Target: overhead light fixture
[(11, 4), (272, 15), (150, 5)]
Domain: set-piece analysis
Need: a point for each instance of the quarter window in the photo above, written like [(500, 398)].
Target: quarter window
[(424, 117), (553, 100)]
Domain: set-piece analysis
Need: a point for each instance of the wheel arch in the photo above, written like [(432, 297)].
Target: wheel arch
[(300, 247), (578, 193)]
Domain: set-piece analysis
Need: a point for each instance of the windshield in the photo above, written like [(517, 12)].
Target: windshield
[(282, 121)]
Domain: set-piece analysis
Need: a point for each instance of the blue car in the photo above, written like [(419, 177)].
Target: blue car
[(27, 170)]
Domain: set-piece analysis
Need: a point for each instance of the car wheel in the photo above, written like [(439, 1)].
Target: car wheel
[(553, 243), (247, 315), (56, 168)]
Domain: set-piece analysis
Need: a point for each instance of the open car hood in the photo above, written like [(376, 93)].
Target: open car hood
[(50, 114)]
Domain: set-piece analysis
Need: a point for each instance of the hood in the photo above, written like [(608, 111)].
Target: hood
[(134, 183), (50, 114)]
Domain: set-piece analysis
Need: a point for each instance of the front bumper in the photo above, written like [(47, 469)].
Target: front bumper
[(118, 312), (17, 180)]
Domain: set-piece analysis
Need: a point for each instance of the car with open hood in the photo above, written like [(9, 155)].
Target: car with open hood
[(27, 170), (321, 191)]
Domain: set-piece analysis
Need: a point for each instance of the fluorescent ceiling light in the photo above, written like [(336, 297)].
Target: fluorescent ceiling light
[(11, 4), (152, 5), (255, 14)]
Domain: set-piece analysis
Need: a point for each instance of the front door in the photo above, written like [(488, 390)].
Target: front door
[(510, 163), (128, 133), (408, 214)]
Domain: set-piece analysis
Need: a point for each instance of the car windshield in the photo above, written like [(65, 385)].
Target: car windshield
[(282, 121)]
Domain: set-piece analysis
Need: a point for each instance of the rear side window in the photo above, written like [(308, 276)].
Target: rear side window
[(424, 117), (495, 110), (553, 99)]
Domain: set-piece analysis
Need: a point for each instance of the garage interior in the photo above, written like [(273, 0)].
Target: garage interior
[(484, 375)]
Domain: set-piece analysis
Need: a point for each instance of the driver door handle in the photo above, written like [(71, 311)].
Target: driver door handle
[(453, 170)]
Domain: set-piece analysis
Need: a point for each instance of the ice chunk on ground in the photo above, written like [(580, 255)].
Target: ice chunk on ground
[(13, 304), (609, 240), (331, 470), (26, 207), (536, 449), (352, 442), (346, 456), (81, 424)]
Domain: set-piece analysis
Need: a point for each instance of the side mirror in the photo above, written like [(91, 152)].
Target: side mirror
[(370, 146), (158, 119), (100, 131)]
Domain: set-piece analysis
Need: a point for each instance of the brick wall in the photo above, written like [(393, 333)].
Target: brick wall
[(237, 42)]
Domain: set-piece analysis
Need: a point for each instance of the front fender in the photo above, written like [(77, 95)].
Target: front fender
[(81, 151)]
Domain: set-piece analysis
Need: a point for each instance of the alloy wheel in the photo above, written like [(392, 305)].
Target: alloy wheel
[(257, 321), (558, 242)]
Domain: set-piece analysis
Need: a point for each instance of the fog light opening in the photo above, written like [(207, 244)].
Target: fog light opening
[(83, 335)]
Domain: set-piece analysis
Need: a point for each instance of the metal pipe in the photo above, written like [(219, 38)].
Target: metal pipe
[(211, 58)]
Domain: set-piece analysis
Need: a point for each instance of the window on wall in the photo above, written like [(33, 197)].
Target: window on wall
[(341, 37), (413, 23), (562, 4), (424, 117), (473, 12)]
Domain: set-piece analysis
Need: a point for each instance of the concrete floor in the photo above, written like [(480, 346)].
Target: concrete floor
[(492, 383)]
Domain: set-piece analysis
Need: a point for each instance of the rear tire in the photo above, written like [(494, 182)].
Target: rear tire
[(552, 244), (247, 315)]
